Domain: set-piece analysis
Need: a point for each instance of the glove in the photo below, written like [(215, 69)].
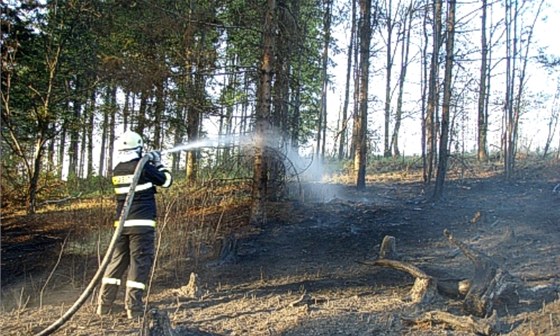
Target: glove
[(155, 158)]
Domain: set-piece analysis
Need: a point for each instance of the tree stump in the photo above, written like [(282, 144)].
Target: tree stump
[(228, 250), (157, 324), (456, 289), (388, 248), (191, 289), (488, 283)]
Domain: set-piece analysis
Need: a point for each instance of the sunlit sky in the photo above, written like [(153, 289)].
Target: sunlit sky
[(534, 126)]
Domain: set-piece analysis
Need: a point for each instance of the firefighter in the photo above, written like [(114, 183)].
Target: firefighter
[(135, 247)]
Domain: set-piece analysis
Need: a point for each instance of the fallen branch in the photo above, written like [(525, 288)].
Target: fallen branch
[(302, 300), (480, 326), (62, 200), (424, 288), (401, 266)]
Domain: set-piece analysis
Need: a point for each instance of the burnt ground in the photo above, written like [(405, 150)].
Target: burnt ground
[(306, 271)]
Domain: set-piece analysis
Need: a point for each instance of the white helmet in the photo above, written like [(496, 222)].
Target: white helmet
[(129, 141)]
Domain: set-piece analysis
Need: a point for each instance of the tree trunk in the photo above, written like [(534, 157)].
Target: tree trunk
[(517, 109), (104, 125), (552, 124), (402, 78), (389, 24), (111, 130), (50, 156), (90, 126), (158, 113), (260, 174), (193, 120), (83, 146), (126, 110), (482, 153), (283, 68), (433, 96), (360, 158), (61, 150), (295, 83), (141, 117), (322, 120), (447, 92), (511, 69), (356, 97), (344, 127), (178, 137), (31, 202), (424, 88), (296, 103), (73, 150)]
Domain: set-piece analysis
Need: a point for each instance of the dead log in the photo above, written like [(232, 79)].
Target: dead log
[(479, 326), (424, 288), (489, 281)]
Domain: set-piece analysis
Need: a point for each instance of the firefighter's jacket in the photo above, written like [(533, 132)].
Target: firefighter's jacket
[(142, 214)]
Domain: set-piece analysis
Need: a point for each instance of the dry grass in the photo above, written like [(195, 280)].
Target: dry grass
[(190, 221)]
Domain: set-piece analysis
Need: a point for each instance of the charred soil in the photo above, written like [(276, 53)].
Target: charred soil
[(308, 270)]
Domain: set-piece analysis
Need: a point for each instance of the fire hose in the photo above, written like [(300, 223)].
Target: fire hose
[(105, 262)]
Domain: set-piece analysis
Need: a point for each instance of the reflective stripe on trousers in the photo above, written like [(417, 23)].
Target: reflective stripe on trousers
[(137, 222), (135, 284), (111, 281)]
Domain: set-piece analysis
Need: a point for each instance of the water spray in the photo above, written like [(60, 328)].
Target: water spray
[(209, 142)]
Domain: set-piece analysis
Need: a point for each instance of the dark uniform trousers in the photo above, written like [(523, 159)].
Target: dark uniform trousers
[(135, 252)]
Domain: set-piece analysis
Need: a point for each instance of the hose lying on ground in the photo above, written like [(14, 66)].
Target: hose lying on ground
[(89, 289)]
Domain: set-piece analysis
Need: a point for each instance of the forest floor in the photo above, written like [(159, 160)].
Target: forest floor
[(308, 270)]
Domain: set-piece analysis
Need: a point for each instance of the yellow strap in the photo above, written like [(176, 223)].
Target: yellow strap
[(123, 179)]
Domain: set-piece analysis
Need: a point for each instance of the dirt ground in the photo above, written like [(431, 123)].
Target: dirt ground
[(307, 272)]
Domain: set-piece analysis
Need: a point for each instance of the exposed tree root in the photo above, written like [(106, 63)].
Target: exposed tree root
[(61, 200)]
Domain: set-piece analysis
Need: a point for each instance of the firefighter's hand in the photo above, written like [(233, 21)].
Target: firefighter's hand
[(155, 158)]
